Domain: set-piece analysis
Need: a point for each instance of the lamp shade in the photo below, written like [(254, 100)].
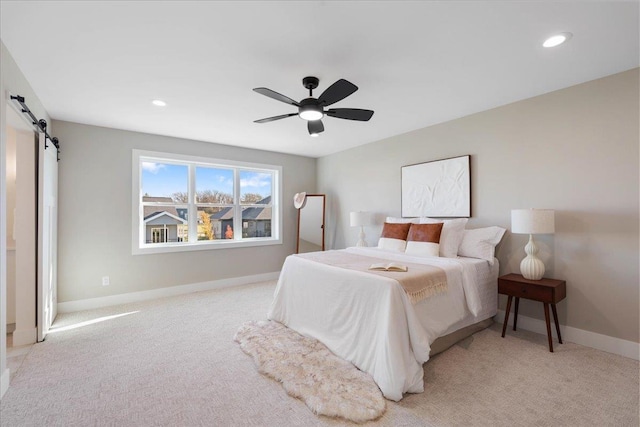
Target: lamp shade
[(532, 221), (359, 219)]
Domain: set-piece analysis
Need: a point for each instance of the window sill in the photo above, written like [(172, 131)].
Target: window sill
[(203, 246)]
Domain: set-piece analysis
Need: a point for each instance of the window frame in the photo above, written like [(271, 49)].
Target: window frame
[(138, 243)]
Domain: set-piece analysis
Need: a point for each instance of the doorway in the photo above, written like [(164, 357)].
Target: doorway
[(20, 230), (31, 231)]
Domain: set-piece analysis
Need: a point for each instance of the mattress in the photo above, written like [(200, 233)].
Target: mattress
[(432, 312), (370, 321), (486, 275)]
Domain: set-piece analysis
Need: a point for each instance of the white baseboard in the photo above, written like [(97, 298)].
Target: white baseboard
[(25, 336), (606, 343), (4, 382), (91, 303)]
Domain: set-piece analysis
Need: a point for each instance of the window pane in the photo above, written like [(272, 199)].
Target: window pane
[(215, 223), (214, 185), (255, 187), (256, 222), (164, 182), (165, 224)]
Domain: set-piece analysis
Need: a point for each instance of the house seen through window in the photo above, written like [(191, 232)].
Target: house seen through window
[(192, 203)]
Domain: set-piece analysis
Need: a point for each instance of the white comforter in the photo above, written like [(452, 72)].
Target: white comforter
[(368, 319)]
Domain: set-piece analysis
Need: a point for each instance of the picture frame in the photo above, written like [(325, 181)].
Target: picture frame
[(438, 188)]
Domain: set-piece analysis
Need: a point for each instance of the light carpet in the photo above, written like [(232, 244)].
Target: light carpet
[(328, 385), (173, 362)]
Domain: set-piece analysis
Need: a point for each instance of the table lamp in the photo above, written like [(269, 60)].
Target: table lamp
[(532, 221), (360, 219)]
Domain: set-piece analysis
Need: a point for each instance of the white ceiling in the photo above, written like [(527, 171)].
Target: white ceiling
[(416, 63)]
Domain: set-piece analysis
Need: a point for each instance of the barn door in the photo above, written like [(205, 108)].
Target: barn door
[(47, 235)]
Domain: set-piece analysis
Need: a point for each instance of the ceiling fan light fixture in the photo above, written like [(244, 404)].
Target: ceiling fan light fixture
[(310, 115), (310, 110), (314, 135)]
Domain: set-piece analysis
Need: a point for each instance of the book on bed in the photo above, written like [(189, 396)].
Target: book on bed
[(392, 266)]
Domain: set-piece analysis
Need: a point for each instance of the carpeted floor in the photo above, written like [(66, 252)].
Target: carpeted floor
[(174, 362)]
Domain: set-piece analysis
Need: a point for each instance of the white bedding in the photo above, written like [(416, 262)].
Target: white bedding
[(369, 320)]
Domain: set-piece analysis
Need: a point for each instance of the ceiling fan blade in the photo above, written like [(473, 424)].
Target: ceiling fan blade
[(337, 91), (270, 119), (350, 114), (275, 95), (315, 127)]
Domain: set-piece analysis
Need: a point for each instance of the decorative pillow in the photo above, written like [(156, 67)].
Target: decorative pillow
[(451, 236), (424, 240), (481, 242), (394, 236), (396, 220)]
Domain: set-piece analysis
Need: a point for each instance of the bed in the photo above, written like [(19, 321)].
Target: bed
[(370, 320)]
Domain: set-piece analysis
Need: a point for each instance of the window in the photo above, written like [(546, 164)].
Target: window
[(158, 235), (183, 203)]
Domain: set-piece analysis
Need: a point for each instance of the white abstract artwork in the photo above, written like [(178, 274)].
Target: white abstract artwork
[(441, 188)]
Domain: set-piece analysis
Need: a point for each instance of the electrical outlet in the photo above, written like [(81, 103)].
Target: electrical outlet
[(105, 280)]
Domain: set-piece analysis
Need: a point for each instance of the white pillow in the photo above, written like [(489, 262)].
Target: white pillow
[(422, 249), (481, 242), (396, 220), (451, 236), (394, 245)]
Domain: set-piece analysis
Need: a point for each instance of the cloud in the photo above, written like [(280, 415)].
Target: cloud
[(256, 180), (225, 182), (153, 168)]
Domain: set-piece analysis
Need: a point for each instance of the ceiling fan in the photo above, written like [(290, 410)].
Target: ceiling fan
[(312, 109)]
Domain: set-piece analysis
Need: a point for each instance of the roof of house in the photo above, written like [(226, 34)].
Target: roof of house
[(156, 215), (256, 213), (157, 199), (152, 211), (252, 213), (224, 213)]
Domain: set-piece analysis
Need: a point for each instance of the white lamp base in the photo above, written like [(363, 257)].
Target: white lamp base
[(531, 267), (361, 242)]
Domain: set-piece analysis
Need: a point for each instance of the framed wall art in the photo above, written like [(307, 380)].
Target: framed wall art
[(440, 188)]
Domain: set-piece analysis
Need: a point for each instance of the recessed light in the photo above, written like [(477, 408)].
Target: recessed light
[(557, 39), (159, 103)]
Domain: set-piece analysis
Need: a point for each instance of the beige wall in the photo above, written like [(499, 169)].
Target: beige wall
[(574, 150), (95, 215)]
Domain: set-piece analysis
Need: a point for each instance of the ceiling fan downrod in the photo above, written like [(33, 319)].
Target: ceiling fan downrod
[(310, 83)]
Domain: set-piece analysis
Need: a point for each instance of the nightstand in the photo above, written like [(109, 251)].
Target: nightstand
[(547, 291)]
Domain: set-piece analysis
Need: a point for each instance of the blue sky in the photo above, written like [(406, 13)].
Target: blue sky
[(214, 179), (163, 179), (255, 182)]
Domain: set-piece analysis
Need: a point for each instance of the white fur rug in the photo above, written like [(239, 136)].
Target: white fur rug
[(307, 370)]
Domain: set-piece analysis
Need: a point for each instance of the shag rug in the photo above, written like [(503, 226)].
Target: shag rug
[(329, 385)]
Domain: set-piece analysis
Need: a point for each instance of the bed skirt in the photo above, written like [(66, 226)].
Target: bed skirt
[(444, 342)]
